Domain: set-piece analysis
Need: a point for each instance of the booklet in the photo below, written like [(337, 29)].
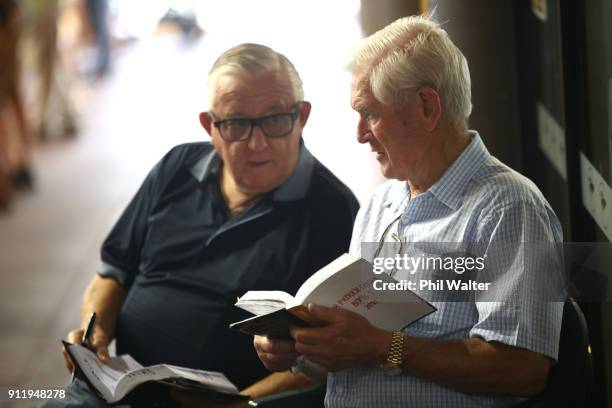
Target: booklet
[(348, 283), (118, 380)]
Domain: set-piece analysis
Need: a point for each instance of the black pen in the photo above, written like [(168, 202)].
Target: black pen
[(89, 330), (86, 337)]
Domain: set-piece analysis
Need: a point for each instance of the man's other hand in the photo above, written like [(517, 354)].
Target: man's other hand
[(275, 354), (344, 339), (98, 344)]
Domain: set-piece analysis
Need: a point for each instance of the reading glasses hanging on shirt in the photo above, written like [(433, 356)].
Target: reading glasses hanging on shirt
[(396, 242)]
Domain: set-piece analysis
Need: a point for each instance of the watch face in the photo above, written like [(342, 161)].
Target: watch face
[(393, 371)]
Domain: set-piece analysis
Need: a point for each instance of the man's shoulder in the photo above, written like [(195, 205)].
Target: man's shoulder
[(186, 153), (181, 156), (499, 190), (327, 185), (329, 205), (500, 186)]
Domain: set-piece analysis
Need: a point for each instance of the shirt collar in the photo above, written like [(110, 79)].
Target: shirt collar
[(450, 187), (206, 166), (398, 198), (294, 188)]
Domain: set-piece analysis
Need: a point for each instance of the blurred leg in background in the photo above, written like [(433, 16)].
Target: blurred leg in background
[(15, 144), (97, 15), (54, 114)]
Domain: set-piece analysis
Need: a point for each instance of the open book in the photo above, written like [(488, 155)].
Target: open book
[(348, 283), (116, 380)]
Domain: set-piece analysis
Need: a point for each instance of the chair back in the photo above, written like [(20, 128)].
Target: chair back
[(569, 381)]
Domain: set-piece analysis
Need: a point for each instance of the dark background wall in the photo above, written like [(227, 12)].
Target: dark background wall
[(485, 35)]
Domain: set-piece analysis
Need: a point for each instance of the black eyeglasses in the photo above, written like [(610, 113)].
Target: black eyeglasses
[(272, 126)]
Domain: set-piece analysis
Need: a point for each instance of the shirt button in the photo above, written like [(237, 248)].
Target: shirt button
[(339, 389)]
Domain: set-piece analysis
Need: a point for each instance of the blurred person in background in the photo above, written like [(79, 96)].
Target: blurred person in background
[(253, 210), (15, 144), (53, 114)]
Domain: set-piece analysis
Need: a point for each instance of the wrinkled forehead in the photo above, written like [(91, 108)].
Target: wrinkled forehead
[(252, 95)]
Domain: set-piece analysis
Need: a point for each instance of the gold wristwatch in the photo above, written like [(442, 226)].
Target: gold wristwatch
[(393, 365)]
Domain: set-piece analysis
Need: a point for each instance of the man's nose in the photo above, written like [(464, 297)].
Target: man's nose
[(258, 141), (363, 131)]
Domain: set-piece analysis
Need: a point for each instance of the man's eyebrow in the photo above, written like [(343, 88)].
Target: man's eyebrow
[(358, 107), (362, 109), (273, 110)]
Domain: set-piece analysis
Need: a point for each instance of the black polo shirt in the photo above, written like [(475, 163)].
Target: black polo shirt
[(184, 260)]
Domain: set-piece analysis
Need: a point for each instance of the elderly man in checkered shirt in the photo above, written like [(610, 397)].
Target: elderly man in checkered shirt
[(411, 88)]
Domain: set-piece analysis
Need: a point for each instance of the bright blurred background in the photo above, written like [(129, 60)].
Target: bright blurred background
[(97, 92)]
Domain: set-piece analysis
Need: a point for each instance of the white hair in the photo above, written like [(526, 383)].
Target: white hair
[(253, 59), (411, 52)]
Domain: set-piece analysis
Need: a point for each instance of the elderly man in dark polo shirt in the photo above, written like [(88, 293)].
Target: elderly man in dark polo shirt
[(254, 210)]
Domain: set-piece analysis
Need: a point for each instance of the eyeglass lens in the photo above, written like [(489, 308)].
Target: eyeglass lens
[(272, 126)]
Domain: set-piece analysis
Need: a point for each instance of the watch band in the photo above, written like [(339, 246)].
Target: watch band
[(396, 353), (393, 365)]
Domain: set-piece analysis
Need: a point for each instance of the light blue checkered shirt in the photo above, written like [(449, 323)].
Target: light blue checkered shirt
[(479, 200)]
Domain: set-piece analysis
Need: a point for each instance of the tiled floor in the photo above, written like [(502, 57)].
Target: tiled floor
[(49, 241)]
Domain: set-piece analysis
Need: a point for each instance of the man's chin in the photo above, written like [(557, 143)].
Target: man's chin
[(387, 172), (384, 168)]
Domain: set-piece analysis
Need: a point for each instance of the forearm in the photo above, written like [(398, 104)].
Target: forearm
[(277, 382), (472, 365), (105, 297), (476, 366)]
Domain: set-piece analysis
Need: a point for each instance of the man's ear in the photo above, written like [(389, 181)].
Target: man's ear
[(206, 122), (430, 107), (304, 113)]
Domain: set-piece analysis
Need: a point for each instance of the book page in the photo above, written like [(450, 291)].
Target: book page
[(312, 283), (115, 380), (264, 302), (104, 377), (131, 379), (350, 285), (213, 380)]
